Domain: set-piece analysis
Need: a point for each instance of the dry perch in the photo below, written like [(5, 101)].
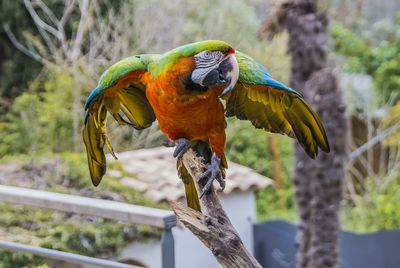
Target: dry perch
[(213, 226)]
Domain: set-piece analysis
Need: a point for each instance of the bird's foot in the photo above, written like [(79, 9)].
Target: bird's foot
[(182, 145), (211, 173)]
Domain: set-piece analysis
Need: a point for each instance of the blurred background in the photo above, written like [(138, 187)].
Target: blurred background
[(52, 53)]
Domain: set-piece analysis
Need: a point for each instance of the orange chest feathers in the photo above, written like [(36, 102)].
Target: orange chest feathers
[(181, 111)]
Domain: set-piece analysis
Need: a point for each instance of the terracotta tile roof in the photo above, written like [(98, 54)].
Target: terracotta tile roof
[(153, 171)]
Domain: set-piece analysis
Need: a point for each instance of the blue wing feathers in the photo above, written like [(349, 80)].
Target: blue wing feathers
[(91, 97), (252, 72)]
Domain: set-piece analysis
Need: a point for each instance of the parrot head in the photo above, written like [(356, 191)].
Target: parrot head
[(215, 68), (214, 63)]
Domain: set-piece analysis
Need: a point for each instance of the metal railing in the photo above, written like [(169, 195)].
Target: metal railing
[(95, 207)]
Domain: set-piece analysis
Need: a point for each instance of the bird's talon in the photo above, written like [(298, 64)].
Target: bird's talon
[(203, 177), (182, 145), (205, 174), (221, 182), (207, 188), (212, 172)]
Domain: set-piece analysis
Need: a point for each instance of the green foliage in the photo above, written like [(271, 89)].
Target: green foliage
[(268, 200), (12, 259), (354, 47), (248, 146), (375, 51), (379, 58), (19, 132), (90, 239), (41, 119), (377, 208), (393, 119)]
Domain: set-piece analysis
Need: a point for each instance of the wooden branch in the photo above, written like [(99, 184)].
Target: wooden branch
[(213, 227)]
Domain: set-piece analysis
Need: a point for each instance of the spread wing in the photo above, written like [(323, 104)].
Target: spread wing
[(120, 91), (272, 106)]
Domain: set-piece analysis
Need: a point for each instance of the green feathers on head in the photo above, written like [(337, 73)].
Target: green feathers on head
[(171, 57)]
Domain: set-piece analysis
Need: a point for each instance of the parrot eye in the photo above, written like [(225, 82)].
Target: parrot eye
[(207, 56), (206, 62)]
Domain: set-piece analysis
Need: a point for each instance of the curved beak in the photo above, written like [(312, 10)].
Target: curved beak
[(229, 68)]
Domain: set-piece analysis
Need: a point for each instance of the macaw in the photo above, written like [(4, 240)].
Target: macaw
[(183, 90)]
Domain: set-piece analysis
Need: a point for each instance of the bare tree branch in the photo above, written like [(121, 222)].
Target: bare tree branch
[(41, 23), (42, 27), (84, 9), (49, 13), (373, 141), (213, 227), (69, 8), (29, 52)]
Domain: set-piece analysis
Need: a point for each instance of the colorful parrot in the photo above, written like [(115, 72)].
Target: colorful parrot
[(183, 89)]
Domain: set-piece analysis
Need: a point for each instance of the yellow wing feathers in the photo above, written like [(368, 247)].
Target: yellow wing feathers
[(278, 111), (94, 137), (126, 101)]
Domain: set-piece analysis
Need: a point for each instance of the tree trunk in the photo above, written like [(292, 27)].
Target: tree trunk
[(318, 182)]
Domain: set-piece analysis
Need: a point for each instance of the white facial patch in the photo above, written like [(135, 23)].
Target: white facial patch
[(234, 73)]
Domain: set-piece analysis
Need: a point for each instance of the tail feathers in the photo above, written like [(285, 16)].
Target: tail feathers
[(192, 197)]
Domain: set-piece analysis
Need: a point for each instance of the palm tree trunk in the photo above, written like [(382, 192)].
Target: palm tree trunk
[(318, 182)]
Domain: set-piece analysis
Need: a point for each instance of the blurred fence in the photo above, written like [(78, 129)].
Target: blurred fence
[(95, 207), (275, 247)]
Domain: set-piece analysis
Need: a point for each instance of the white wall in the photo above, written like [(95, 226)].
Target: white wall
[(189, 251), (241, 209)]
